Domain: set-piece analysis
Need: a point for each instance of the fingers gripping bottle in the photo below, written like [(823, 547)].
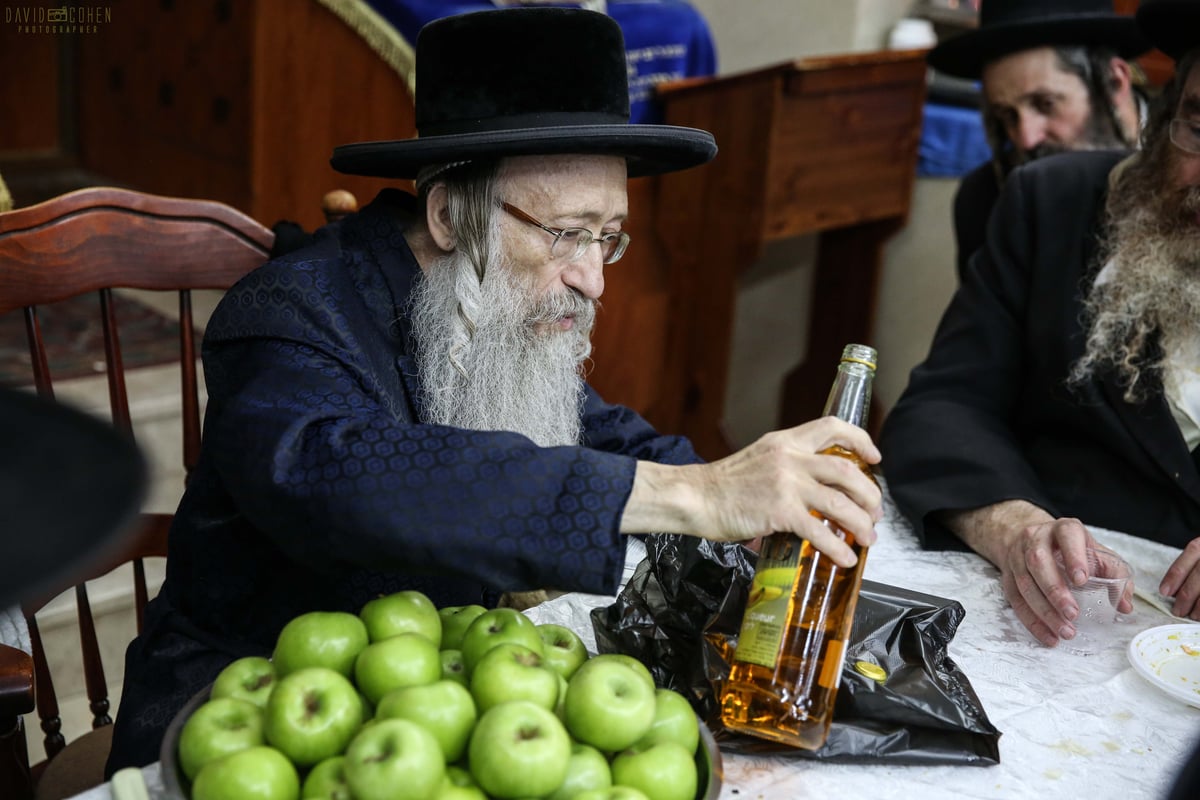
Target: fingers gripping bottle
[(788, 661)]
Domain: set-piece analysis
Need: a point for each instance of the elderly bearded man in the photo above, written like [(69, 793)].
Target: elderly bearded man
[(1054, 79), (1064, 380), (400, 405)]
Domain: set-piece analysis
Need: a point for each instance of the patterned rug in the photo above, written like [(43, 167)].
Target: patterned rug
[(75, 342)]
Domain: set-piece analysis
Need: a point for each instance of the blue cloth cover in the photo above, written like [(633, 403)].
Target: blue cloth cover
[(952, 142)]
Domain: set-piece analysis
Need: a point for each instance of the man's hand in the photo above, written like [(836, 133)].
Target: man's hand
[(775, 484), (1182, 581), (1021, 539)]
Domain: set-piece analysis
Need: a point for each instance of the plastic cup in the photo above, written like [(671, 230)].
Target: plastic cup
[(1109, 576)]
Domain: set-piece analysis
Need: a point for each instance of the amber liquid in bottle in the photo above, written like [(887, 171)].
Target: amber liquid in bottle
[(786, 693)]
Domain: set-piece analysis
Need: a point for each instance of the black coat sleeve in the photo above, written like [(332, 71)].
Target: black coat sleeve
[(966, 431)]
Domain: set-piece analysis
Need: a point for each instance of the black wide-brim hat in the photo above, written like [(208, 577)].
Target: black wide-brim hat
[(69, 486), (525, 81), (1172, 26), (1010, 26)]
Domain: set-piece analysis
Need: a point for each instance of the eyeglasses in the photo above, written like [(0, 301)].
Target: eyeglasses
[(572, 243), (1185, 134)]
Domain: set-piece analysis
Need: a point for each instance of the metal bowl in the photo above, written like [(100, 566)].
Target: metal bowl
[(710, 772), (709, 769)]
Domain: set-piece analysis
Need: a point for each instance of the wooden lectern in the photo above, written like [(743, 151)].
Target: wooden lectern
[(821, 145)]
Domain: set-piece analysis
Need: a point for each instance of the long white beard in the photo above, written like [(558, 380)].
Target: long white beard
[(1150, 285), (485, 361)]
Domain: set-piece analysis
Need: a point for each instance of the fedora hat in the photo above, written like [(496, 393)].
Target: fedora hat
[(1010, 26), (69, 483), (524, 81), (1172, 26)]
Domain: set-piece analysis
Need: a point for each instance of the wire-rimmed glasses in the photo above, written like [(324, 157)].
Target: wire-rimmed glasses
[(572, 243), (1185, 134)]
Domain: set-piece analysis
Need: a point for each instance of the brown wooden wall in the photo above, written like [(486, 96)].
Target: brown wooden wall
[(29, 94), (240, 102)]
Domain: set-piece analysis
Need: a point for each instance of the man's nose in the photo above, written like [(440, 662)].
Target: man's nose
[(1030, 131), (586, 273)]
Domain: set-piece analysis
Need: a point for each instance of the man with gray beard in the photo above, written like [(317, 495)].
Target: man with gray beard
[(505, 375), (400, 406), (1064, 380)]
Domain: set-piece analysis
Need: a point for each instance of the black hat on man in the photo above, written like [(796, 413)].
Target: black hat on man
[(1172, 26), (524, 81), (1010, 26)]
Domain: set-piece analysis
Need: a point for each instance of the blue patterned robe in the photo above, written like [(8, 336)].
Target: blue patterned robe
[(318, 489)]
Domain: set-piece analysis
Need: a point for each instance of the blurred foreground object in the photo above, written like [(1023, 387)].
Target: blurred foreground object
[(69, 484)]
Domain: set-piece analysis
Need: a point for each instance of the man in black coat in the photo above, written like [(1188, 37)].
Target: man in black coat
[(1054, 79), (1064, 379), (401, 405)]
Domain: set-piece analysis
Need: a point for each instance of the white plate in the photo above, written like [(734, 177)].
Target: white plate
[(1169, 657)]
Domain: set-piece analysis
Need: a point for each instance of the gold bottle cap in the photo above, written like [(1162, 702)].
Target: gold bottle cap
[(872, 671)]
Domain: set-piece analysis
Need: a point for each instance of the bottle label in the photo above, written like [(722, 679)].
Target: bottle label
[(767, 607)]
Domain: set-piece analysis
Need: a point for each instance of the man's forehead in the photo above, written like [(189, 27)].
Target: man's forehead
[(559, 167), (1018, 75), (583, 181)]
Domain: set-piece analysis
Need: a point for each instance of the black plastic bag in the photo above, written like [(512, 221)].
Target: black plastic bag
[(680, 614)]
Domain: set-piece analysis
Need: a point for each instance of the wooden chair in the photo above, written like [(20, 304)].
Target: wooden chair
[(93, 241)]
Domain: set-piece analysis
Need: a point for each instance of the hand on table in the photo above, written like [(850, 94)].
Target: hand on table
[(774, 484), (1182, 581), (1021, 540)]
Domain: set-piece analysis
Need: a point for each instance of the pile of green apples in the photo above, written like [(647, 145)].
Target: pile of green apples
[(406, 700)]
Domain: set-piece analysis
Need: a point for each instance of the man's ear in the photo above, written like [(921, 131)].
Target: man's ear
[(1120, 78), (437, 218)]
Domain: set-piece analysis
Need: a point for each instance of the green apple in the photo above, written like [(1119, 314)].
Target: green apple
[(392, 758), (257, 773), (444, 708), (621, 658), (674, 721), (216, 729), (614, 793), (327, 781), (664, 771), (513, 672), (587, 769), (455, 620), (402, 612), (406, 659), (331, 639), (519, 749), (498, 626), (368, 707), (561, 705), (609, 705), (563, 649), (312, 715), (453, 668), (459, 785), (251, 678)]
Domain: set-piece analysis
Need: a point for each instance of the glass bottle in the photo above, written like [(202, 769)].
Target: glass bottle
[(788, 662)]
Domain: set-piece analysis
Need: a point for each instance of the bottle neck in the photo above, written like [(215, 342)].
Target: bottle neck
[(850, 397)]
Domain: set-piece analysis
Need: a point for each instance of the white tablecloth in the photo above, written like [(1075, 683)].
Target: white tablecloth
[(1073, 726)]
